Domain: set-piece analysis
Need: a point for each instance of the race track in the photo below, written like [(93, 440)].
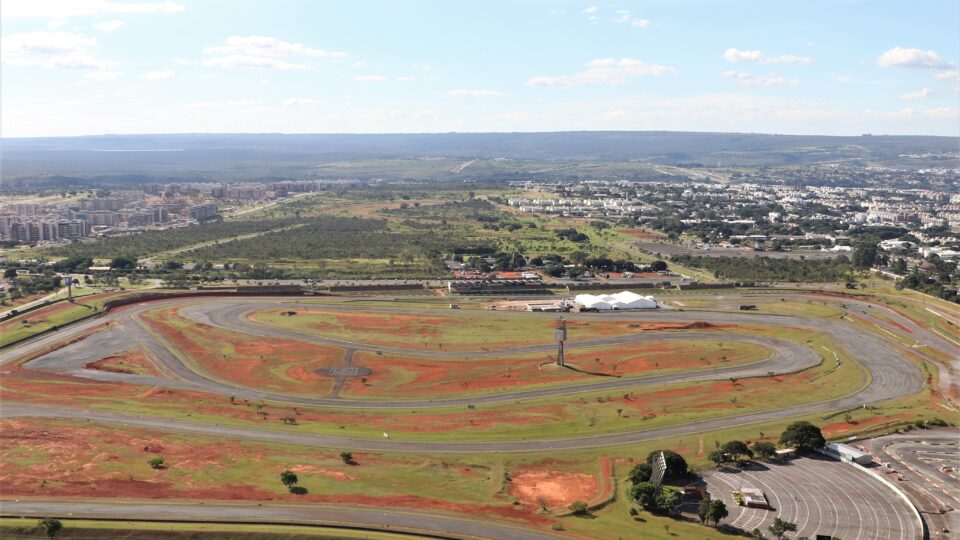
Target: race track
[(887, 375)]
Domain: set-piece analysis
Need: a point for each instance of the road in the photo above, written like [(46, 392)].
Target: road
[(891, 375), (417, 522)]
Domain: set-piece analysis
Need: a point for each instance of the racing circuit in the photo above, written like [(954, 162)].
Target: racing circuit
[(887, 373)]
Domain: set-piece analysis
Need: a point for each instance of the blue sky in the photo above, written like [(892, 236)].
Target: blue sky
[(78, 67)]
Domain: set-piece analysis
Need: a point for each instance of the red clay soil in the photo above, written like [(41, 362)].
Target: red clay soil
[(640, 233), (249, 361), (410, 376), (839, 428), (414, 331), (132, 361), (557, 490), (76, 465)]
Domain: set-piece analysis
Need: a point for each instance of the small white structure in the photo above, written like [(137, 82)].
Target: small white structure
[(754, 498), (620, 301), (845, 452)]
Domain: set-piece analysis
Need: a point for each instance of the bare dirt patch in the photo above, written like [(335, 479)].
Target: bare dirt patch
[(133, 361), (552, 488)]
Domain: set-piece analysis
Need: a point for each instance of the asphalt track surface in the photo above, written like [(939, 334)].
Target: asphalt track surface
[(891, 376), (418, 523)]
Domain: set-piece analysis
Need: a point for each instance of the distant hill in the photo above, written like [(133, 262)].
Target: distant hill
[(237, 155)]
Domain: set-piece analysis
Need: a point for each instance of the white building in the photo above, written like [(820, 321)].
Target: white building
[(845, 452), (620, 301)]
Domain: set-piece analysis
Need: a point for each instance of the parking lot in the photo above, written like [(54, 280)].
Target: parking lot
[(820, 495)]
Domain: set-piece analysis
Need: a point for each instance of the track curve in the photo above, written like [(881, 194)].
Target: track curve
[(891, 375)]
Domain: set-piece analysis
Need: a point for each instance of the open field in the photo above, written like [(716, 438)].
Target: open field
[(229, 399)]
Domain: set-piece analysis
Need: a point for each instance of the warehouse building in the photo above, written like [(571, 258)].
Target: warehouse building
[(620, 301), (845, 452)]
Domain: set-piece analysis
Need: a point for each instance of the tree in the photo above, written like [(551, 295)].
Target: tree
[(803, 436), (123, 263), (578, 507), (658, 266), (667, 502), (10, 273), (718, 511), (645, 494), (50, 526), (289, 479), (780, 528), (736, 449), (640, 473), (717, 457), (156, 463), (864, 255), (703, 511), (676, 465), (347, 458), (764, 449)]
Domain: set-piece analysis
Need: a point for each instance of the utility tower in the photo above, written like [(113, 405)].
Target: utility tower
[(561, 335)]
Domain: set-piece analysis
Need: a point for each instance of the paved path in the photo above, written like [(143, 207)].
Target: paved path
[(426, 523)]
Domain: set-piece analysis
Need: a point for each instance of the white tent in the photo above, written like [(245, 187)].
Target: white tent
[(619, 301)]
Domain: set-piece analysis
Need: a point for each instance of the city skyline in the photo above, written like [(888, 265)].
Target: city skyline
[(94, 66)]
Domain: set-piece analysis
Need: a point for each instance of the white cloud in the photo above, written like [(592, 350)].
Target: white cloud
[(268, 46), (616, 114), (605, 71), (220, 104), (941, 113), (590, 10), (947, 75), (158, 75), (359, 64), (250, 62), (422, 67), (50, 50), (912, 58), (300, 102), (101, 76), (737, 55), (919, 94), (463, 92), (56, 24), (372, 78), (263, 52), (109, 26), (64, 9), (406, 78), (623, 17), (748, 80)]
